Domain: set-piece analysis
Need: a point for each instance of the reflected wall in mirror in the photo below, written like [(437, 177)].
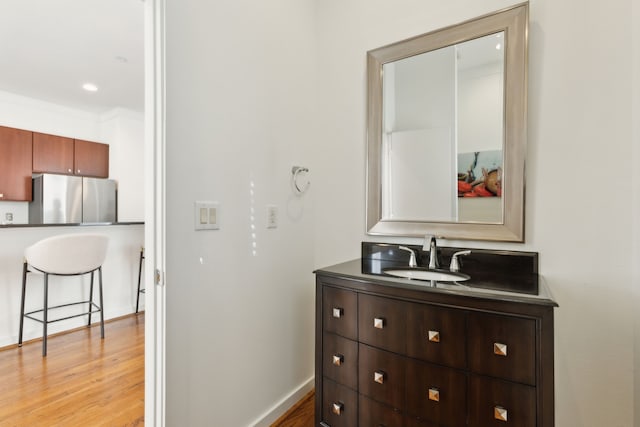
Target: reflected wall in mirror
[(447, 131)]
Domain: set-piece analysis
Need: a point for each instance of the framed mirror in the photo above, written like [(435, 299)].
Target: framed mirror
[(446, 131)]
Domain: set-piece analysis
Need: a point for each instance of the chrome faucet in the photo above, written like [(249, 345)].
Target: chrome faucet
[(432, 247), (412, 259)]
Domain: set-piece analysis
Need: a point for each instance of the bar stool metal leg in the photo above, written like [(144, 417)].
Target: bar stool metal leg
[(44, 314), (101, 303), (139, 279), (24, 290), (90, 300)]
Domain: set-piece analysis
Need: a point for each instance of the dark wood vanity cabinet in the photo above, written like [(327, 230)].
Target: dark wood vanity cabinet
[(400, 356), (58, 154), (15, 164)]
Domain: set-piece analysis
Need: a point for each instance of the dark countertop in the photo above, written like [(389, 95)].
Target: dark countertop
[(70, 225), (530, 288)]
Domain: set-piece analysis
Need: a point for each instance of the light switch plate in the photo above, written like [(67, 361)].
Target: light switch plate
[(207, 215)]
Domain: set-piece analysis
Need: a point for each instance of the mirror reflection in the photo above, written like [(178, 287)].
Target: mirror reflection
[(442, 133)]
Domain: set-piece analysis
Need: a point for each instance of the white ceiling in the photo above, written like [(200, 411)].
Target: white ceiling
[(50, 48)]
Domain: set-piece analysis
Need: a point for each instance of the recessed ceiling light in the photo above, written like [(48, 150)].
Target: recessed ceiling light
[(90, 87), (498, 46)]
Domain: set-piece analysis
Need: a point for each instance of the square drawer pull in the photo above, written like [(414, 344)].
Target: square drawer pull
[(500, 414), (337, 408), (434, 336), (338, 359), (337, 312), (378, 376), (434, 394), (378, 323), (499, 349)]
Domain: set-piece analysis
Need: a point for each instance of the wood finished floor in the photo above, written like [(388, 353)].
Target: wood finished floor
[(86, 381), (83, 381), (300, 414)]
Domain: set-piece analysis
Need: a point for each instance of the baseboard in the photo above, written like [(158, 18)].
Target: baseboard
[(95, 323), (283, 405)]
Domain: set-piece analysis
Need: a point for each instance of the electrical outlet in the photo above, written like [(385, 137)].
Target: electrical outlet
[(272, 216)]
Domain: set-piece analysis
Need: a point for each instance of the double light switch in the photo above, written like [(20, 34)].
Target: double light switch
[(207, 215)]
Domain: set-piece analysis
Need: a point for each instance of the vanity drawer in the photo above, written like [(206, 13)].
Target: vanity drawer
[(339, 405), (437, 335), (498, 403), (382, 322), (436, 393), (340, 312), (502, 346), (374, 414), (340, 359), (381, 375)]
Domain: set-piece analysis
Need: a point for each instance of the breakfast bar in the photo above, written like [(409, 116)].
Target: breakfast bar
[(120, 275)]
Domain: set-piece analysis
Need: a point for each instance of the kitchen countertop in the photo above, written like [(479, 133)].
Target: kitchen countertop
[(70, 225), (530, 288)]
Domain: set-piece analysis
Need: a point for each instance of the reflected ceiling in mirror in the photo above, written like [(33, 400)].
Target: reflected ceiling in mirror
[(447, 131)]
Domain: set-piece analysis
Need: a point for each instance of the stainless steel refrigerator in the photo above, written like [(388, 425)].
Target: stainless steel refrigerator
[(64, 199)]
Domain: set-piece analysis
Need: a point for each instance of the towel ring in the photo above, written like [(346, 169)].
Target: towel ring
[(299, 185)]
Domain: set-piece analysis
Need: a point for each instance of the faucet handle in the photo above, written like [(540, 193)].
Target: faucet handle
[(412, 259), (455, 264)]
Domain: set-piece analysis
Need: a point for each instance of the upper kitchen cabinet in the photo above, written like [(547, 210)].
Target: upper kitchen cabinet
[(15, 164), (57, 154), (52, 154), (91, 159)]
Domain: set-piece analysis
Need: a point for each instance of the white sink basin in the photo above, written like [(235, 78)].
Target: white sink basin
[(426, 274)]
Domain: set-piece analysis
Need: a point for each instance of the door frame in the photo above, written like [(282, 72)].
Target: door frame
[(155, 297)]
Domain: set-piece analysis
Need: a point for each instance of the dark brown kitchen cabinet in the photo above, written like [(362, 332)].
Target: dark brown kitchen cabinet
[(58, 154), (91, 159), (15, 164), (52, 154), (389, 355)]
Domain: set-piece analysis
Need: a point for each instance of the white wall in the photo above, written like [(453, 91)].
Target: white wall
[(39, 116), (124, 130), (240, 300), (480, 108), (579, 208)]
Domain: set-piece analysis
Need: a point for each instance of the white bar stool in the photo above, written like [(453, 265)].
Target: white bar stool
[(64, 255)]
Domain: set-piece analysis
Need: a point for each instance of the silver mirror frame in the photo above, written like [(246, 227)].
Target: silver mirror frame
[(514, 22)]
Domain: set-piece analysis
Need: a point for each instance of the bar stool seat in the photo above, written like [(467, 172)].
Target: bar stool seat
[(64, 255)]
